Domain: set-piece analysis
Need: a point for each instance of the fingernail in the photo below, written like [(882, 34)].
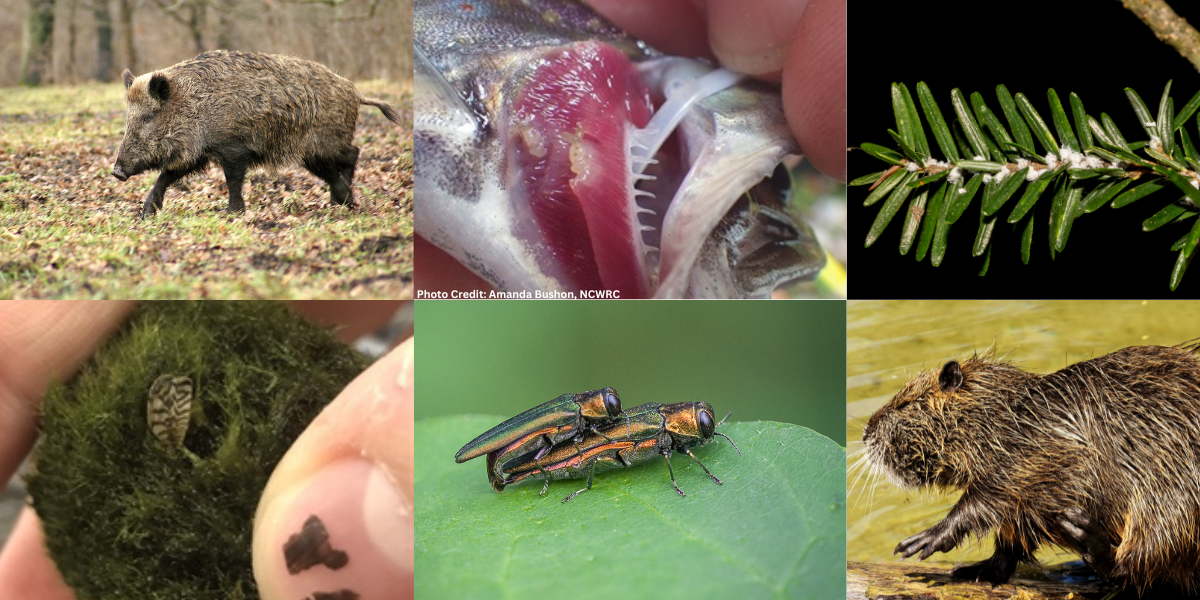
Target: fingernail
[(753, 37), (343, 534)]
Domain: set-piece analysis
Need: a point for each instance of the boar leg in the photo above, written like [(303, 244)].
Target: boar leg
[(338, 171), (154, 200), (234, 161)]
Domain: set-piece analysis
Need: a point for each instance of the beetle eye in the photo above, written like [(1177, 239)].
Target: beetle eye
[(612, 403), (706, 424)]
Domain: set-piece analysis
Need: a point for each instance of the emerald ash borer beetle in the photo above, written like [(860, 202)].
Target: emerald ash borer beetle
[(566, 418), (647, 431)]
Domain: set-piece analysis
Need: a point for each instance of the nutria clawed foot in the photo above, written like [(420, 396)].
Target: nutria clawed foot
[(995, 570), (1089, 540), (934, 539)]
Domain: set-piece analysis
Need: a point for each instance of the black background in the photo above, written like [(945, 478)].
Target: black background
[(1095, 48)]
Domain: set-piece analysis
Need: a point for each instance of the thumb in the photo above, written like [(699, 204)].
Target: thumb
[(336, 519)]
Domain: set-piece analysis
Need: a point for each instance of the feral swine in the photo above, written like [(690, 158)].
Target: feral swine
[(241, 110)]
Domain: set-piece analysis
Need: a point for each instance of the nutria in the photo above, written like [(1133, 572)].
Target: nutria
[(1102, 457)]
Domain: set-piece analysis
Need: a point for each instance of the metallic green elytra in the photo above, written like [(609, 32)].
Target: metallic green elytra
[(567, 417), (649, 430)]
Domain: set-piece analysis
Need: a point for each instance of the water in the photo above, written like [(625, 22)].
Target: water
[(887, 342)]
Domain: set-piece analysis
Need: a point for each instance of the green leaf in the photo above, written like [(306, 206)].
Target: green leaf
[(912, 221), (964, 148), (987, 260), (1186, 112), (983, 238), (958, 201), (1032, 192), (1026, 240), (775, 529), (985, 166), (865, 179), (1114, 133), (884, 154), (941, 133), (1181, 265), (919, 142), (1081, 122), (1139, 192), (1071, 195), (909, 153), (1164, 216), (903, 122), (1077, 174), (1102, 194), (1037, 124), (1061, 124), (988, 118), (934, 211), (1193, 236), (1001, 193), (1163, 158), (1097, 130), (970, 127), (1016, 123), (1143, 113), (885, 187), (1104, 154), (889, 209), (1185, 185), (1165, 120), (916, 183), (1189, 150), (942, 233)]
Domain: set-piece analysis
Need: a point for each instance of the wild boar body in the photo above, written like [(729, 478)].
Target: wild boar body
[(241, 110)]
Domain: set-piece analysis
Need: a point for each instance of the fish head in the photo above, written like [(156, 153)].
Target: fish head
[(528, 128)]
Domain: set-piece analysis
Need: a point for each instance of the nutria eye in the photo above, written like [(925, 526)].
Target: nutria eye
[(951, 377), (612, 404), (706, 425)]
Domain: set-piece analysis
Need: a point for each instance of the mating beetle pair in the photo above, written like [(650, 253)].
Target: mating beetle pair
[(575, 435)]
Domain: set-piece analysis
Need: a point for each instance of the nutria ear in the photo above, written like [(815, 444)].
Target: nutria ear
[(951, 377)]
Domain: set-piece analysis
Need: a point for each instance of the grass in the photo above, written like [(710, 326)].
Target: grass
[(69, 229)]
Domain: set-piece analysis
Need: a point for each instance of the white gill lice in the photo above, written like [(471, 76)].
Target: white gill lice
[(169, 408)]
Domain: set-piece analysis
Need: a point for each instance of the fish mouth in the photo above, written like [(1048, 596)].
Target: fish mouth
[(587, 200)]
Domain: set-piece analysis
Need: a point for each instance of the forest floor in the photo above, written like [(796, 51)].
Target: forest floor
[(69, 229)]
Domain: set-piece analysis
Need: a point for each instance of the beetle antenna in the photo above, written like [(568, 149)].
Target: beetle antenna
[(730, 441), (723, 420)]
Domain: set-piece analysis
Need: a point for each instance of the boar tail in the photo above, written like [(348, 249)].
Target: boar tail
[(387, 109)]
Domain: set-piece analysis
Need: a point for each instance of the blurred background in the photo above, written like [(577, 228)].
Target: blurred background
[(782, 361), (70, 41)]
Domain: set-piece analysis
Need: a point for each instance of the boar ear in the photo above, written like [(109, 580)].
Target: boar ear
[(159, 88), (128, 78)]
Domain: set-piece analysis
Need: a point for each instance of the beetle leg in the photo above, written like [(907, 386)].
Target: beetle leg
[(589, 485), (544, 488), (666, 452), (689, 453)]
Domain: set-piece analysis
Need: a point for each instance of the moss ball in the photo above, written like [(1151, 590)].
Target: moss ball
[(130, 515)]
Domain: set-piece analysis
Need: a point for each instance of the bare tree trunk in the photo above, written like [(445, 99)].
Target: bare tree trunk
[(37, 43), (127, 35), (71, 72), (104, 50), (196, 24), (226, 24)]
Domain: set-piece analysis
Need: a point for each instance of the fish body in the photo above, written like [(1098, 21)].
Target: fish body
[(543, 162)]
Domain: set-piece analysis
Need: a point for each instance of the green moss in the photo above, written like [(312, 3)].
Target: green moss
[(129, 516)]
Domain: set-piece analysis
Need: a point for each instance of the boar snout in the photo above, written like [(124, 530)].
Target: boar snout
[(119, 174)]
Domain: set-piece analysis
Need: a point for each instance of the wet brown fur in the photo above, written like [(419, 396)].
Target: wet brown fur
[(1117, 437), (241, 110)]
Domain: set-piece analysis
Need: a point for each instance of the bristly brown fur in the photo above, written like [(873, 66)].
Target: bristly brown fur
[(1115, 438)]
